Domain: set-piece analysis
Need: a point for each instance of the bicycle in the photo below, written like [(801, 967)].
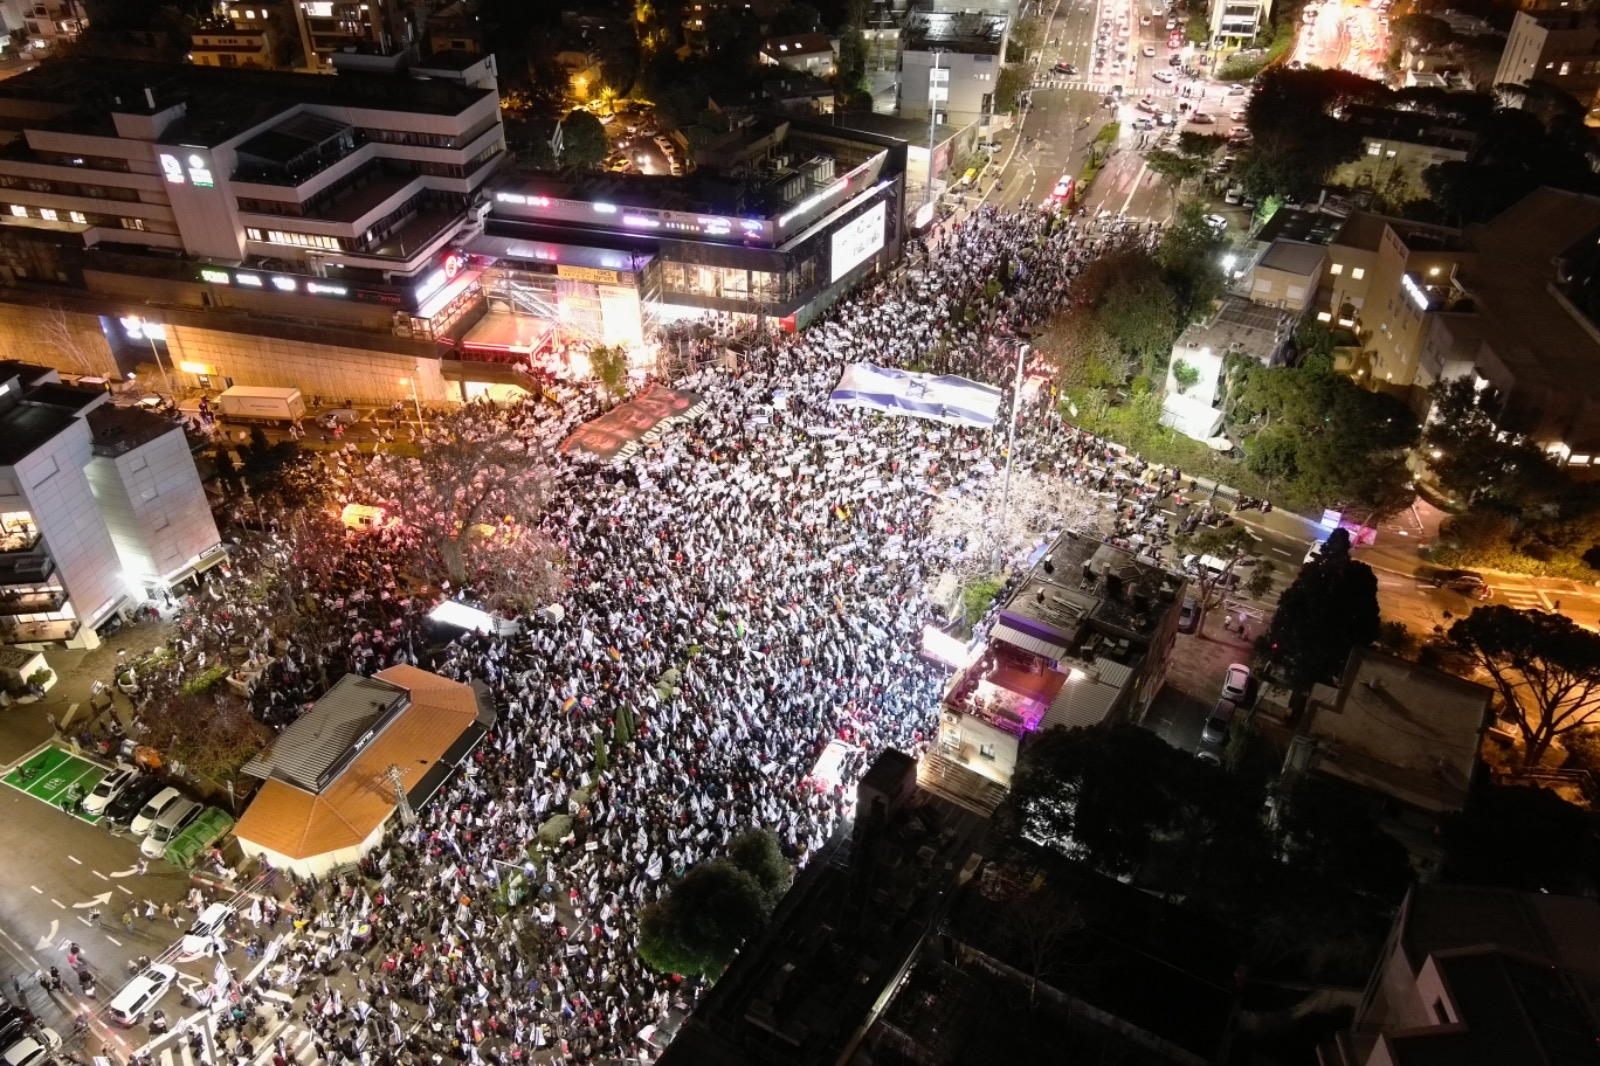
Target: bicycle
[(28, 773)]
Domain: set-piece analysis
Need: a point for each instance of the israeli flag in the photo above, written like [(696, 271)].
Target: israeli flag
[(954, 400)]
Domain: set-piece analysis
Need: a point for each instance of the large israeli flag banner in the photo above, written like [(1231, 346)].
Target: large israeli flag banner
[(954, 400)]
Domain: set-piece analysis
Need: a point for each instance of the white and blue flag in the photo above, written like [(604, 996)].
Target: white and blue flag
[(954, 400)]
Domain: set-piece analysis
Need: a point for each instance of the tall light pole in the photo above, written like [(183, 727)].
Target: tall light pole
[(1011, 444), (938, 89)]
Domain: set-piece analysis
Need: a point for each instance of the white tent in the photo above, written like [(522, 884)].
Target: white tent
[(954, 400)]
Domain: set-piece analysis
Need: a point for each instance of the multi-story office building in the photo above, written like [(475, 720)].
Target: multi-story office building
[(957, 53), (1232, 21), (269, 228), (776, 221), (98, 505)]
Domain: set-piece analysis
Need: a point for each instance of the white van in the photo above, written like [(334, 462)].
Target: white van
[(141, 994), (173, 820)]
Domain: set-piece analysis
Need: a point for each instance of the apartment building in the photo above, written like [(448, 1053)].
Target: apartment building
[(329, 28), (45, 24), (1560, 49), (1084, 639), (98, 506), (806, 53), (246, 34), (1233, 21), (274, 228), (956, 55), (1479, 977)]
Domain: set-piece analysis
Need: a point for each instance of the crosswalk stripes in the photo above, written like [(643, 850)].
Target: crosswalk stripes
[(1521, 598)]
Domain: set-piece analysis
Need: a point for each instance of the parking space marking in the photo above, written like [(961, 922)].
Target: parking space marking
[(49, 775)]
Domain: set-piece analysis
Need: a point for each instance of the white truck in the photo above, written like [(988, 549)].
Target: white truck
[(254, 403)]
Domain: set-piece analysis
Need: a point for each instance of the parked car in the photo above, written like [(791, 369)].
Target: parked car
[(1237, 90), (1149, 51), (109, 788), (173, 821), (207, 926), (1233, 195), (14, 1022), (1217, 223), (1215, 730), (127, 806), (159, 804), (141, 994), (1466, 582), (33, 1050), (1201, 118), (1236, 683), (339, 416), (1189, 615)]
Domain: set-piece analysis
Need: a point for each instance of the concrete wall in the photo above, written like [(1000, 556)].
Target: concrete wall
[(33, 336), (154, 507), (325, 370)]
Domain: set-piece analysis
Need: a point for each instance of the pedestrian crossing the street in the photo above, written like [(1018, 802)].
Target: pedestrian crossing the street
[(299, 1044)]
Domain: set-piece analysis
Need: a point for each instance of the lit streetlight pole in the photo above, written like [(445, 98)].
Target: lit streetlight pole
[(1011, 444)]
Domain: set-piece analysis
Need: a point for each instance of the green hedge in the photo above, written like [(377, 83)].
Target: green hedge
[(205, 681)]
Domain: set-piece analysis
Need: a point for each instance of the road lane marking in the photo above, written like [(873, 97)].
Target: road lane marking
[(114, 940), (100, 875), (75, 859), (129, 891), (58, 903), (37, 889)]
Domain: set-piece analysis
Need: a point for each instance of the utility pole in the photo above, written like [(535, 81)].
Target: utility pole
[(938, 89), (402, 802), (1011, 444)]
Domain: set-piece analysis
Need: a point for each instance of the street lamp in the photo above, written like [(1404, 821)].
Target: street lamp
[(414, 401), (1011, 444)]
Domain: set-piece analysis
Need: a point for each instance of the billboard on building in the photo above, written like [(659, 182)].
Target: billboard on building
[(857, 239)]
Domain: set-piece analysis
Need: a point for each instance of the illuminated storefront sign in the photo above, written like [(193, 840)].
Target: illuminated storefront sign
[(317, 288), (248, 280), (285, 284), (172, 168), (215, 277), (1414, 290), (577, 273), (200, 172)]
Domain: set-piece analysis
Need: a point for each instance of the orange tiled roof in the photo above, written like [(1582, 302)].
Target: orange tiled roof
[(299, 824)]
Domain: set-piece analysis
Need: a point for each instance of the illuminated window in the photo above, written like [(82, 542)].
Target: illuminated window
[(79, 217), (1358, 273), (1374, 148), (133, 223), (986, 751), (19, 210), (1336, 269), (253, 233), (1324, 316), (49, 214), (1566, 68)]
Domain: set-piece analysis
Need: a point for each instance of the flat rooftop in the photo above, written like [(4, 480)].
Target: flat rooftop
[(1404, 730), (1292, 224), (1294, 257), (220, 103), (967, 32), (25, 427), (1240, 326), (121, 429), (1364, 230)]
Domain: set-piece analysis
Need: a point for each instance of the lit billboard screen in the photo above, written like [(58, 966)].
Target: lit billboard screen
[(858, 239)]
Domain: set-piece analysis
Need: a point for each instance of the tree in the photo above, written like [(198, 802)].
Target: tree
[(1296, 134), (1545, 666), (1522, 838), (1331, 608), (1259, 583), (1185, 375), (1174, 168), (583, 140), (1322, 439), (1190, 259), (1008, 87), (1025, 38), (212, 734), (1229, 544), (1473, 460), (699, 924), (795, 18), (56, 331), (474, 495), (696, 928), (610, 366)]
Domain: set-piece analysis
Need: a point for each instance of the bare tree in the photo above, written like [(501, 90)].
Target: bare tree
[(55, 331), (474, 494)]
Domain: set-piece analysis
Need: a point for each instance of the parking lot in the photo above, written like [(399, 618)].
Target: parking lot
[(50, 775)]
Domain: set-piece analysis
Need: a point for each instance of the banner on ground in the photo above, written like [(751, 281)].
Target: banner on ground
[(954, 400), (616, 435)]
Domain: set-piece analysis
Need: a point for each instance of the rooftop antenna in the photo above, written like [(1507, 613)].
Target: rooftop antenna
[(402, 802)]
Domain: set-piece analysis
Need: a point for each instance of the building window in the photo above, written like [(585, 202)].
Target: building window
[(1373, 148), (1357, 273), (1336, 269), (49, 214), (1566, 68), (79, 217), (253, 233), (19, 210), (986, 751), (1389, 154), (133, 223), (304, 240)]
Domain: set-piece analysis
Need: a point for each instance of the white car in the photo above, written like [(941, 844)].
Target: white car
[(31, 1051), (1217, 223), (1166, 77), (1149, 51), (151, 811), (208, 925), (141, 994), (109, 788), (1236, 683)]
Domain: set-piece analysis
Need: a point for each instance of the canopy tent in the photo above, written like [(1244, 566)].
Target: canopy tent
[(954, 400)]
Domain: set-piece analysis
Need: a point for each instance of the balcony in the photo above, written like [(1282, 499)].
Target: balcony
[(39, 601), (39, 632), (20, 540), (26, 568)]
